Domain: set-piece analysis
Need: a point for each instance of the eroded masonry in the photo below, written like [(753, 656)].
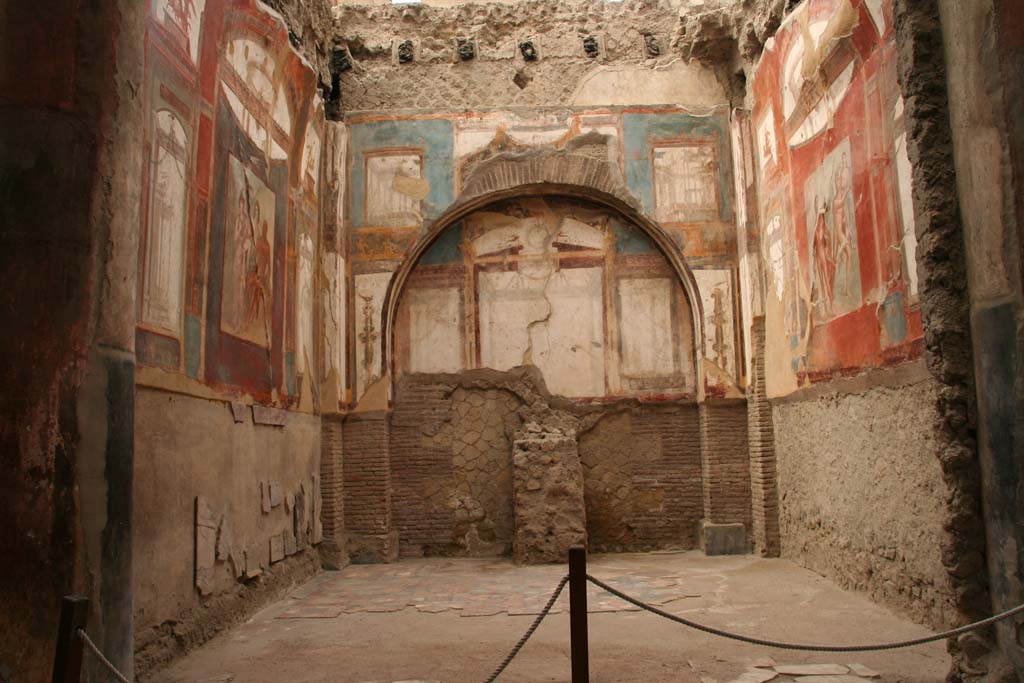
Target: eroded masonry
[(364, 282)]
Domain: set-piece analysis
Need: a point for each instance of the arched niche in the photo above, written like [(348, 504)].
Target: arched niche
[(533, 201)]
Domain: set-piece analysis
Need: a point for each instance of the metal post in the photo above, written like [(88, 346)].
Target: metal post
[(578, 615), (67, 662)]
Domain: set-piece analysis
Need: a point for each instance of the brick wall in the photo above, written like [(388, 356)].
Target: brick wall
[(761, 434), (421, 469), (642, 479), (367, 486), (726, 462), (333, 551)]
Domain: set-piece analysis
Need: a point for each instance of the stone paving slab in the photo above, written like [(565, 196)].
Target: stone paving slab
[(494, 588)]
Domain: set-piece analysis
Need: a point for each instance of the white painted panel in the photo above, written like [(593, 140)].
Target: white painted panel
[(569, 347), (508, 303), (369, 300), (645, 307), (716, 295), (435, 330)]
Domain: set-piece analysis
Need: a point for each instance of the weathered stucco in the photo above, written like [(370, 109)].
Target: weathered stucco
[(191, 448), (862, 496)]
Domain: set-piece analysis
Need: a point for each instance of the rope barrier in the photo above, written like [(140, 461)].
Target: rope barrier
[(529, 632), (797, 646), (99, 655)]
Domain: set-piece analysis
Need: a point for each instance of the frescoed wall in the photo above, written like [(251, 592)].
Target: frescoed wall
[(568, 287), (404, 171), (229, 267), (231, 225), (853, 403), (838, 242)]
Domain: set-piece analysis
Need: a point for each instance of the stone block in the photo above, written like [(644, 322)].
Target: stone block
[(238, 411), (723, 539), (225, 539), (274, 417), (276, 548), (255, 560), (265, 497)]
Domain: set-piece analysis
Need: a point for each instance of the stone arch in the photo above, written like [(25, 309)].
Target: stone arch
[(531, 174)]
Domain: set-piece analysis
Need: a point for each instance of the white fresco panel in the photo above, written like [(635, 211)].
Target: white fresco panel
[(370, 290), (716, 295), (395, 190), (508, 302), (304, 347), (435, 330), (569, 346), (684, 182), (165, 245), (645, 309)]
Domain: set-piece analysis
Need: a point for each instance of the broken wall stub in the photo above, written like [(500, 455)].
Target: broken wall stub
[(550, 516)]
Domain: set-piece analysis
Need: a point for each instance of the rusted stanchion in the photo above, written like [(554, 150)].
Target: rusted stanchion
[(67, 662), (578, 615)]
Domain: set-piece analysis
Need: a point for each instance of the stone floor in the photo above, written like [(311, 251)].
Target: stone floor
[(453, 620)]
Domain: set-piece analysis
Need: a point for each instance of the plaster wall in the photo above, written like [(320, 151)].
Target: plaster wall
[(863, 498), (191, 447), (859, 425), (70, 120)]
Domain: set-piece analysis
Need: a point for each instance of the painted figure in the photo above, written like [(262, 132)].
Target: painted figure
[(257, 276), (824, 261), (840, 222)]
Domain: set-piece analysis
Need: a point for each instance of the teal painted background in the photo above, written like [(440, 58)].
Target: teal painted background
[(639, 130), (434, 137)]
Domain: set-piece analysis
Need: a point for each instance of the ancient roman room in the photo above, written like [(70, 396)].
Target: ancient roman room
[(435, 341)]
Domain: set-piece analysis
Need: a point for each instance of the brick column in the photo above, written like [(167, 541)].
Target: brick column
[(366, 470), (761, 436), (333, 548), (725, 465)]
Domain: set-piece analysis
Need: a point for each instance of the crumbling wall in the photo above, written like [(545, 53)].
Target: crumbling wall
[(862, 498), (703, 44), (310, 31), (450, 469), (451, 459), (967, 117)]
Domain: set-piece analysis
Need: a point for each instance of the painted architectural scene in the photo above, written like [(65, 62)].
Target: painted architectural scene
[(230, 233)]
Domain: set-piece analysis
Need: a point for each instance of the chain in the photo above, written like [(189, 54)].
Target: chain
[(529, 632), (99, 655), (810, 648)]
